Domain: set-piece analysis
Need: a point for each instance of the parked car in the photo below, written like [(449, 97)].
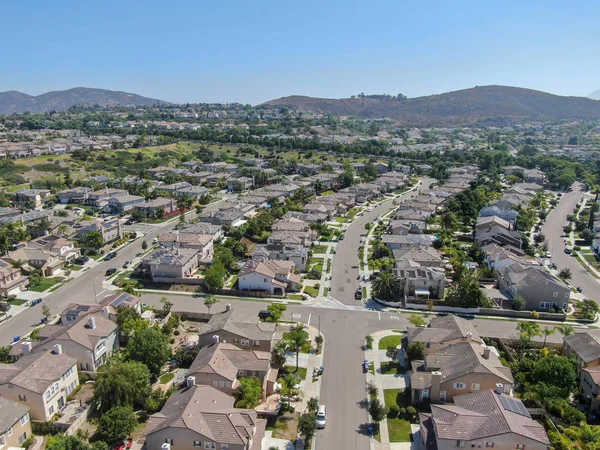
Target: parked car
[(548, 255), (81, 260), (264, 314), (111, 271), (321, 417), (568, 250), (358, 294), (365, 366), (579, 289), (125, 264)]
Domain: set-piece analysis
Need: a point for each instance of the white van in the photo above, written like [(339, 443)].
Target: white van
[(321, 417)]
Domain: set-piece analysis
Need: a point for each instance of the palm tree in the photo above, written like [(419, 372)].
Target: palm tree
[(565, 330), (547, 332), (296, 339), (387, 285), (63, 230), (278, 353)]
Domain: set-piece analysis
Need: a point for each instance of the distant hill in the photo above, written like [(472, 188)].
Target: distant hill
[(17, 102), (481, 105), (595, 95)]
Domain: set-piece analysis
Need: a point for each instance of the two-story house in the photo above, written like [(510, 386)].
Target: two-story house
[(11, 279), (272, 276), (15, 426), (441, 332)]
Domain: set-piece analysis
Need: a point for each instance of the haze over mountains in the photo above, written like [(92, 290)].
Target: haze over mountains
[(595, 95), (17, 102), (481, 105)]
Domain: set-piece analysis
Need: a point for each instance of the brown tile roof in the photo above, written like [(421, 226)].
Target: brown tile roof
[(208, 412), (484, 414), (10, 412), (586, 345), (241, 324), (36, 372), (442, 329)]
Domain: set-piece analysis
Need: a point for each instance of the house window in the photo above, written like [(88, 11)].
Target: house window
[(545, 305), (460, 443), (224, 446), (23, 438), (442, 396), (555, 294), (197, 444), (475, 386), (256, 343), (425, 393), (567, 294), (489, 444), (22, 398), (459, 385), (169, 441), (51, 410), (10, 432), (215, 383), (245, 342), (2, 440), (520, 446)]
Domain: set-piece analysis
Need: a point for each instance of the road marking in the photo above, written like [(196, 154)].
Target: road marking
[(379, 314), (102, 291), (308, 323), (394, 317)]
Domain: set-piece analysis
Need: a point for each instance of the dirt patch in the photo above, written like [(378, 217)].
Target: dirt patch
[(285, 426)]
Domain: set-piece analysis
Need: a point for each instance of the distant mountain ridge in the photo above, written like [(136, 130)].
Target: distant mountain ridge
[(595, 95), (481, 105), (18, 102)]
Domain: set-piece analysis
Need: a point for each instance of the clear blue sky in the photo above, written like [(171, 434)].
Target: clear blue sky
[(255, 50)]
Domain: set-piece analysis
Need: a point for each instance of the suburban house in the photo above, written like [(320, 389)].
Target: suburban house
[(47, 262), (110, 230), (151, 208), (192, 191), (424, 256), (272, 276), (298, 255), (396, 242), (485, 419), (404, 227), (34, 197), (498, 257), (77, 194), (124, 203), (15, 426), (503, 213), (420, 282), (201, 243), (484, 223), (65, 248), (498, 235), (226, 213), (41, 381), (171, 189), (239, 329), (584, 347), (170, 265), (221, 364), (91, 340), (457, 369), (203, 417), (540, 289), (441, 332), (109, 307), (239, 184), (101, 197), (11, 279)]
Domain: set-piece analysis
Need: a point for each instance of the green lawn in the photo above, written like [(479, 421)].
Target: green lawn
[(398, 429), (319, 249), (165, 378), (17, 302), (392, 368), (317, 267), (292, 370), (342, 219), (328, 192), (294, 296), (312, 291), (389, 340), (233, 282), (45, 283)]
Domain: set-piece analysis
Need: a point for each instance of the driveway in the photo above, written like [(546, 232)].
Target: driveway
[(552, 229)]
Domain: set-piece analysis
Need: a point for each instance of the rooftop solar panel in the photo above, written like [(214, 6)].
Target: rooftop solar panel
[(514, 405)]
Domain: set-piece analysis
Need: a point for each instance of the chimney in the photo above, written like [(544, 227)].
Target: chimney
[(486, 353), (165, 446), (91, 323), (228, 307), (436, 381), (499, 388), (190, 382), (26, 347), (105, 312), (469, 336), (216, 339), (58, 349)]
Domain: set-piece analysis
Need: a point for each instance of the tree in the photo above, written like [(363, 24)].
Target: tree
[(297, 337), (417, 320), (588, 235), (5, 355), (167, 305), (307, 426), (554, 371), (121, 384), (129, 321), (209, 301), (387, 286), (539, 238), (391, 352), (215, 275), (151, 347), (117, 423), (547, 332), (35, 277), (312, 405), (278, 353), (466, 293), (248, 393), (46, 311), (347, 178), (527, 330), (415, 351), (377, 410), (223, 255), (276, 310), (565, 273), (144, 245), (93, 239), (62, 442), (587, 309), (565, 330), (519, 302)]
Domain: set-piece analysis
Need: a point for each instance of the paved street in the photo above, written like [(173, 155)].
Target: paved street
[(552, 229), (344, 275)]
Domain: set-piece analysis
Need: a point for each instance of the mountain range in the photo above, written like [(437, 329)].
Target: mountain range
[(18, 102), (595, 95), (481, 105)]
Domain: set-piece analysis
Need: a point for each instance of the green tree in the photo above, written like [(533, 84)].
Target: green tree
[(312, 405), (556, 371), (565, 330), (223, 255), (528, 330), (377, 410), (466, 293), (547, 332), (248, 393), (391, 352), (5, 355), (347, 178), (93, 239), (415, 351), (144, 245), (150, 347), (121, 384), (276, 310), (129, 321), (62, 442), (167, 305), (215, 275), (387, 286), (519, 302), (278, 353), (307, 426), (417, 320), (117, 423), (35, 277), (209, 301), (296, 338)]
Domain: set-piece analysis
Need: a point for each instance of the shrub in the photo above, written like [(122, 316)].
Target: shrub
[(172, 340), (402, 412), (176, 332), (411, 412), (394, 411)]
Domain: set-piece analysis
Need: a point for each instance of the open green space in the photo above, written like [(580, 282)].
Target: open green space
[(389, 340), (17, 302), (45, 283), (398, 429), (319, 249), (294, 296), (312, 291), (166, 377), (301, 373)]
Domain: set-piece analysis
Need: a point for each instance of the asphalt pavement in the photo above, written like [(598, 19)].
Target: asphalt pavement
[(553, 230)]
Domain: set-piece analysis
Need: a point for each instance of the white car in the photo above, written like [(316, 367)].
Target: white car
[(548, 255), (321, 417)]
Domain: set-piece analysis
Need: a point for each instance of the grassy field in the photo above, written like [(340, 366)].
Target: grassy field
[(166, 377), (398, 429), (389, 340), (17, 302), (294, 296), (312, 291), (46, 283), (319, 249)]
